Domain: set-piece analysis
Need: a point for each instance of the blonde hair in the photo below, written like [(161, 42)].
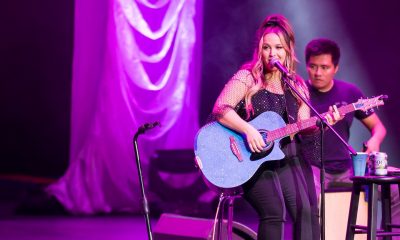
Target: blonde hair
[(279, 25)]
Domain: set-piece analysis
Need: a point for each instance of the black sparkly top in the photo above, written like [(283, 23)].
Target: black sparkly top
[(263, 101)]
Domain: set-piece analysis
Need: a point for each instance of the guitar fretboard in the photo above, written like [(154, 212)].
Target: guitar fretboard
[(304, 124)]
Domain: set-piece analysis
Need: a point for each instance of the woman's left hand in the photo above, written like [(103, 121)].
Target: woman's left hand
[(333, 115)]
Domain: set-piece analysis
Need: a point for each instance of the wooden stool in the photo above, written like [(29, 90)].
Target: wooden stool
[(372, 182)]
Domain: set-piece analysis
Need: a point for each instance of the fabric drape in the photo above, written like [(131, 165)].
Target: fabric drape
[(134, 62)]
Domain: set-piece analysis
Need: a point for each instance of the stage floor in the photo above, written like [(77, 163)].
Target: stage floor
[(54, 225), (64, 227), (73, 227)]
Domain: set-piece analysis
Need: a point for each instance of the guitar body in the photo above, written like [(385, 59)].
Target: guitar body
[(217, 161), (227, 163)]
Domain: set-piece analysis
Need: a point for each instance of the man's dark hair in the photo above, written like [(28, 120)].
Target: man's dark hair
[(323, 46)]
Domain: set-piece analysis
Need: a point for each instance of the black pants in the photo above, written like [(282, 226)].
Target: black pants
[(279, 187)]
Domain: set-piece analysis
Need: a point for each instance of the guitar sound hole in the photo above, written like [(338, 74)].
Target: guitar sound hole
[(267, 150)]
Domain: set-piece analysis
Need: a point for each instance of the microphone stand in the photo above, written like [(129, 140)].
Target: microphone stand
[(140, 131), (322, 124)]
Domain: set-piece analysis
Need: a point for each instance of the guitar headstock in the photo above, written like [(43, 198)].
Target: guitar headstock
[(368, 103)]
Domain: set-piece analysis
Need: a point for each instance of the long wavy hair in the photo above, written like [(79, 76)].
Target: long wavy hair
[(279, 25)]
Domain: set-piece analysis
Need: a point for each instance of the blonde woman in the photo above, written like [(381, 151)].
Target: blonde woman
[(278, 187)]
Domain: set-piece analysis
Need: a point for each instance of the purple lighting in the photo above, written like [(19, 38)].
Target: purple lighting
[(131, 66)]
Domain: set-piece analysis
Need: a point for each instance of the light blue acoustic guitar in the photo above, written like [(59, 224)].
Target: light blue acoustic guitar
[(225, 159)]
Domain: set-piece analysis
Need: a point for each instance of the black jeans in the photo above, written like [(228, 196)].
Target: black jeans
[(278, 188)]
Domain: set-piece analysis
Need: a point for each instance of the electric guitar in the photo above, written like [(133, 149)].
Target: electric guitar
[(223, 154)]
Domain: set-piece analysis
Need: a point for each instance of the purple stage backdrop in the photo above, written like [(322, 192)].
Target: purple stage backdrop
[(134, 62)]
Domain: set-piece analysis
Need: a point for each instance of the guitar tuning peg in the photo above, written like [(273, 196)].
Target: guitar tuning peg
[(384, 97)]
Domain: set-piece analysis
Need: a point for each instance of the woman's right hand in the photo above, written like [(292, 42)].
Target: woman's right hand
[(254, 139)]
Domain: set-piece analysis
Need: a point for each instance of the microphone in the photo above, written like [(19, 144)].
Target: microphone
[(275, 62), (148, 126)]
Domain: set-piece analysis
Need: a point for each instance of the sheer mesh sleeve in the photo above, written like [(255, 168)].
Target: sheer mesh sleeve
[(311, 148), (233, 92), (310, 139)]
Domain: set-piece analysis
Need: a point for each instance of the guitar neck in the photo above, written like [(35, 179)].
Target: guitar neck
[(304, 124)]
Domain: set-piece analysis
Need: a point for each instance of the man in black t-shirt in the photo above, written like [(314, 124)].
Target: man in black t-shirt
[(336, 154), (322, 59)]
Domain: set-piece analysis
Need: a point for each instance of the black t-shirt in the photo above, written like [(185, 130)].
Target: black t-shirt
[(336, 155)]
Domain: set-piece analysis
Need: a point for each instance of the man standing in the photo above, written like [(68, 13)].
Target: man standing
[(322, 59)]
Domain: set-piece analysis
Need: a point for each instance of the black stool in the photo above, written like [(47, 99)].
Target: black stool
[(372, 182)]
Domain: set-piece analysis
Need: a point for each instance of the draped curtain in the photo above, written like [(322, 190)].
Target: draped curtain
[(135, 61)]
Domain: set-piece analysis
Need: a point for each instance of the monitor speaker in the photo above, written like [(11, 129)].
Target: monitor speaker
[(177, 227)]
